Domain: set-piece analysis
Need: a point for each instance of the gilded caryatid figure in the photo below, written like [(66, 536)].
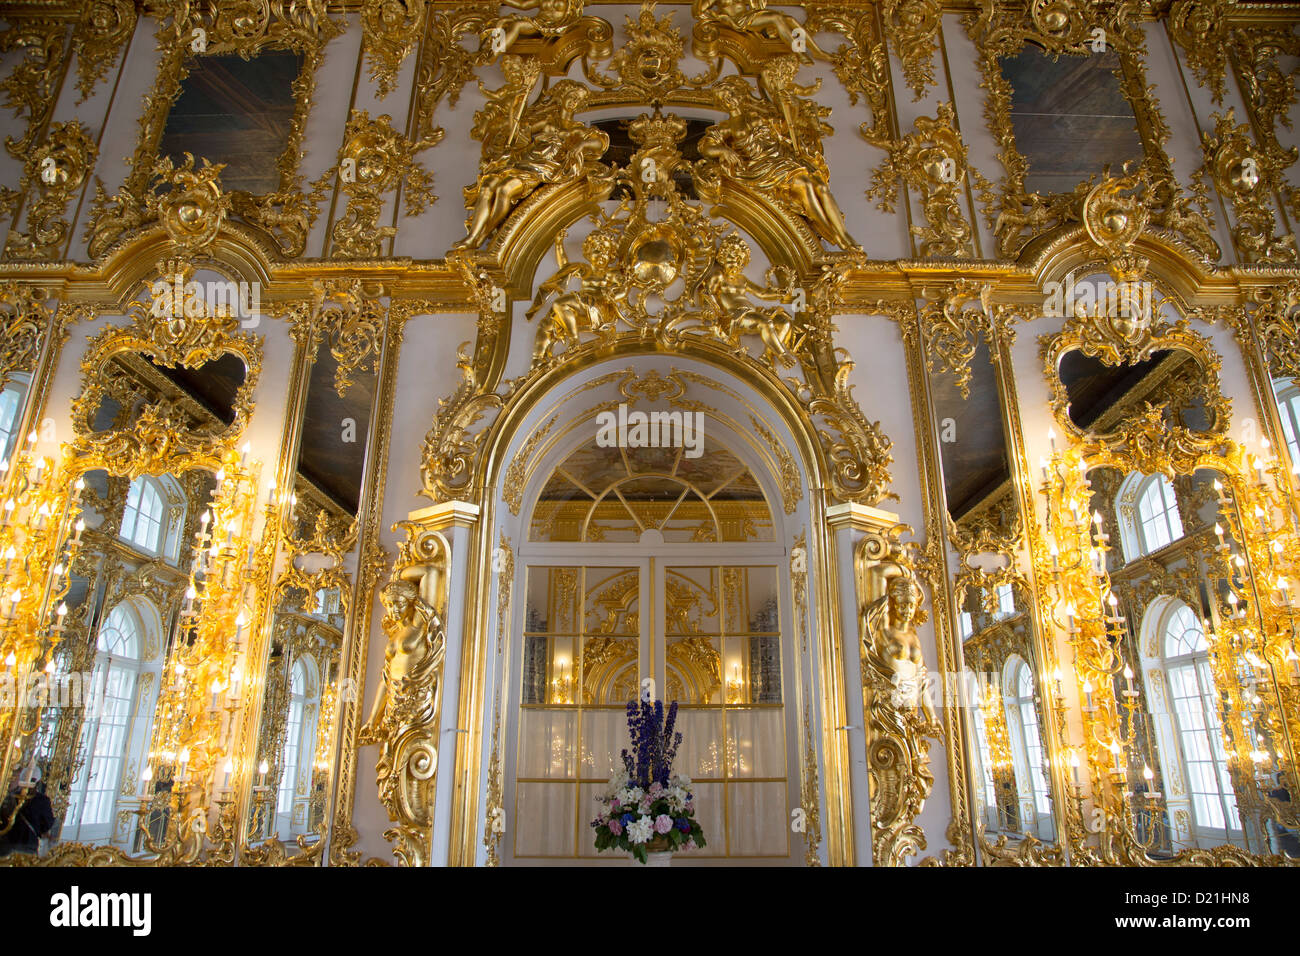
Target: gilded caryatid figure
[(752, 16), (593, 306), (898, 712), (553, 17), (773, 146), (725, 291), (542, 145), (404, 717)]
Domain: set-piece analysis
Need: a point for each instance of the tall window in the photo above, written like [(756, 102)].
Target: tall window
[(1158, 518), (1196, 714), (106, 730), (1288, 407), (293, 737), (142, 521), (1030, 742), (982, 754), (1006, 601), (11, 403)]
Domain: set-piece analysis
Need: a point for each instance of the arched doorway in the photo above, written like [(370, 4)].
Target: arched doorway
[(664, 561)]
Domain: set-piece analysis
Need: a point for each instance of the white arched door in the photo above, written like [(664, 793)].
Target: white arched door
[(645, 564)]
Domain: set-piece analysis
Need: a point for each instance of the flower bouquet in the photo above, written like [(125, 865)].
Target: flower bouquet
[(647, 809)]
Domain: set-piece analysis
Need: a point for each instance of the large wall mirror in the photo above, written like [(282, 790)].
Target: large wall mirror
[(1005, 718), (1171, 587), (299, 725), (132, 737)]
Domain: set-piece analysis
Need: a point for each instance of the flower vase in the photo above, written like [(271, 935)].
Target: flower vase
[(653, 858)]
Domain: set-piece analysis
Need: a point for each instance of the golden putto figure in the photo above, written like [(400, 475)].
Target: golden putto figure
[(542, 145), (773, 145), (727, 289), (553, 18), (752, 16), (593, 306)]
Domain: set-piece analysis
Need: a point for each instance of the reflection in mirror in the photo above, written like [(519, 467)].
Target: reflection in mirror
[(297, 736), (1069, 116), (1101, 396), (1006, 721), (1201, 743), (102, 750), (236, 111)]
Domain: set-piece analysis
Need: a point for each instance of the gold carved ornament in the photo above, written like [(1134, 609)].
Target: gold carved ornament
[(900, 720), (407, 707), (159, 435), (245, 28), (31, 86), (52, 175), (933, 162), (375, 160)]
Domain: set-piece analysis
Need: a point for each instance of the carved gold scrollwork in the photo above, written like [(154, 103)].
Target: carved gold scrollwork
[(30, 87), (375, 160), (404, 716), (913, 27), (391, 29), (52, 175), (105, 26), (900, 719), (1245, 176)]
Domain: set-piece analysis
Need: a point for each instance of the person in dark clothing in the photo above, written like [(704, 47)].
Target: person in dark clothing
[(35, 818)]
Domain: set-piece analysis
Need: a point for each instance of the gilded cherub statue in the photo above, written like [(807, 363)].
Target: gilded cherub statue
[(752, 16), (404, 717), (593, 306), (760, 147), (725, 290), (553, 18), (527, 148)]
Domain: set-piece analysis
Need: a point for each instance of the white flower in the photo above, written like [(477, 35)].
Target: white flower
[(640, 830), (679, 780), (616, 783), (629, 795), (676, 797)]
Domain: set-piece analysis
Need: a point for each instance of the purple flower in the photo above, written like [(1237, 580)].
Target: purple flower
[(663, 823), (615, 827), (683, 824)]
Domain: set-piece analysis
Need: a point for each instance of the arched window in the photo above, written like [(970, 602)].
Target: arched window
[(1026, 742), (109, 731), (153, 515), (11, 404), (1195, 704), (982, 754), (299, 747), (1149, 517), (1288, 407)]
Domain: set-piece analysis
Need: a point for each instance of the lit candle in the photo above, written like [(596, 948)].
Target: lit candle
[(1218, 531), (1115, 752), (1056, 556), (1128, 679), (1150, 779), (1218, 488), (262, 768), (1074, 765), (79, 527), (145, 776), (1087, 693), (182, 761), (227, 769)]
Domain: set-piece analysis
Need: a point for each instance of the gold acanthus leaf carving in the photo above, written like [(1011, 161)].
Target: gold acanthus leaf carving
[(391, 29), (913, 26), (933, 162), (52, 175), (24, 322), (374, 160), (105, 27), (31, 85), (1246, 176), (352, 318)]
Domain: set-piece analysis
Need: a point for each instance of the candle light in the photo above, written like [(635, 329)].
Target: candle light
[(228, 768), (1074, 765), (182, 761), (1218, 531), (1087, 693), (1128, 678), (79, 527), (1115, 752), (1150, 779), (262, 768), (1056, 556)]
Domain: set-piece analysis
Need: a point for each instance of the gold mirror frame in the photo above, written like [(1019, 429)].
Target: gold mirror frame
[(1004, 27), (1146, 445), (286, 214)]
